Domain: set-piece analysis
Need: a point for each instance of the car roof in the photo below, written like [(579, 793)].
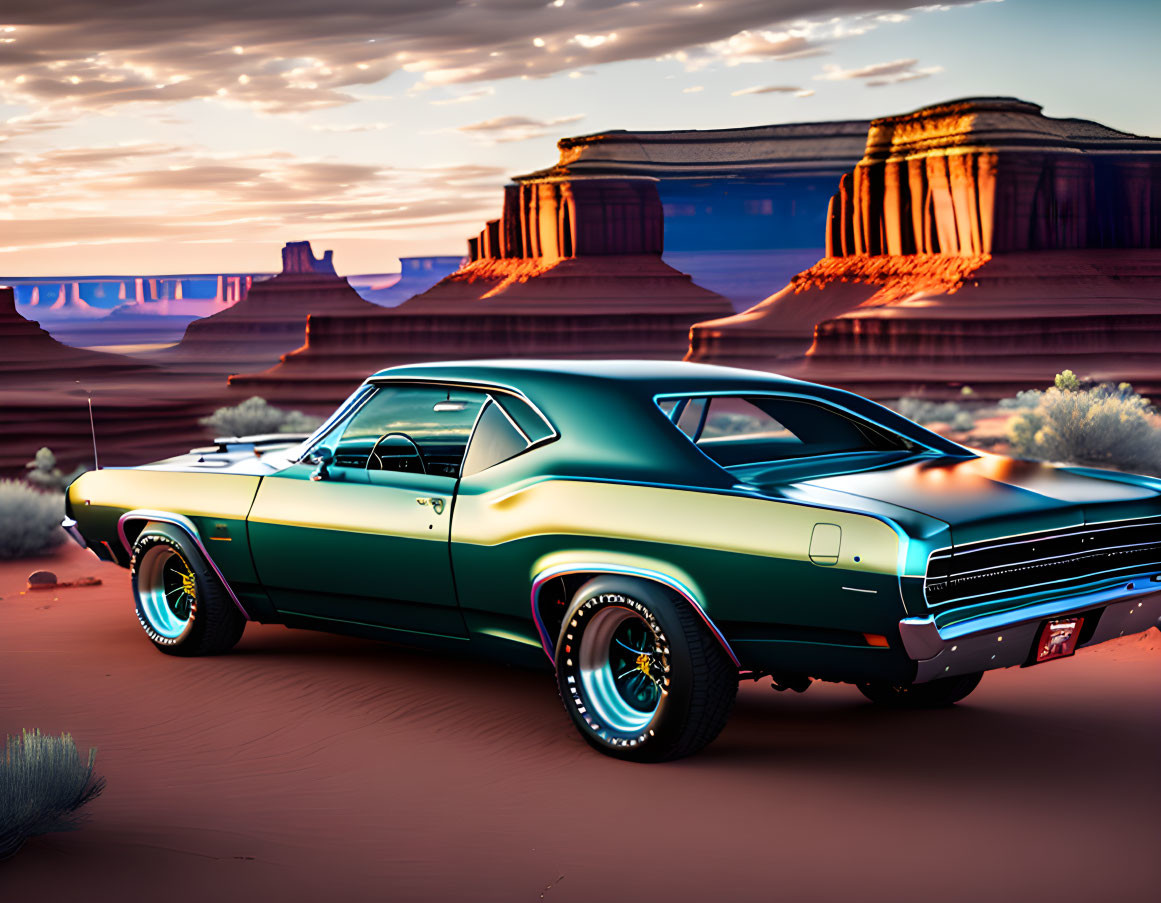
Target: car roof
[(651, 376)]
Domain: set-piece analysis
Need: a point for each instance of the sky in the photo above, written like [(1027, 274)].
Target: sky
[(139, 137)]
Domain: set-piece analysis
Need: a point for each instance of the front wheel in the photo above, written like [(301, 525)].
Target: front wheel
[(932, 695), (181, 602), (640, 675)]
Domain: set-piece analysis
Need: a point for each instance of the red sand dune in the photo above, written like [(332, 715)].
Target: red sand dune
[(306, 767)]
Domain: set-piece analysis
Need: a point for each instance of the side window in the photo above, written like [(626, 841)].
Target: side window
[(506, 427), (738, 430), (409, 429)]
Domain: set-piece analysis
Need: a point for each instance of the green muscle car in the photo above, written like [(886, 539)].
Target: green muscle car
[(658, 530)]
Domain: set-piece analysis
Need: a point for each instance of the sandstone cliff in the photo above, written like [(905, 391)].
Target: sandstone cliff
[(977, 242), (571, 269)]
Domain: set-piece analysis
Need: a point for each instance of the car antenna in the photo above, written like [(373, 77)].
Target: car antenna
[(92, 425)]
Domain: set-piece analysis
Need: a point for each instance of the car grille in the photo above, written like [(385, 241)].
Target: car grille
[(1057, 560)]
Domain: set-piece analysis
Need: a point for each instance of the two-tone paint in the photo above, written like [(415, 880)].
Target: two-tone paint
[(816, 567)]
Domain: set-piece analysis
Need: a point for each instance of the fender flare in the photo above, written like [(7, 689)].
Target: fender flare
[(605, 568), (188, 527)]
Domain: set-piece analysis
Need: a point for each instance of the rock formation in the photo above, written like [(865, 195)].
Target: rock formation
[(571, 269), (976, 243), (416, 274), (29, 356), (269, 321), (742, 208)]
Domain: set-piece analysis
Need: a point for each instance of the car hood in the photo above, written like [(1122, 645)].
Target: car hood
[(985, 496)]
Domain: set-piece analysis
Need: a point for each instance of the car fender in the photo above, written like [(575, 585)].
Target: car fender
[(185, 525), (561, 564)]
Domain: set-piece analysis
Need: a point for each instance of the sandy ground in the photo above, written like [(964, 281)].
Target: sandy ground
[(307, 767)]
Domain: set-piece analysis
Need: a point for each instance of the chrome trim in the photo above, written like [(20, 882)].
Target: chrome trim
[(656, 576), (188, 526), (937, 654), (70, 527), (923, 639), (986, 545)]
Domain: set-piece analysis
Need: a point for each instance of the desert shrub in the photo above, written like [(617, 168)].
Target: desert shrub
[(1023, 401), (29, 520), (255, 416), (1100, 426), (43, 784), (44, 474), (922, 411)]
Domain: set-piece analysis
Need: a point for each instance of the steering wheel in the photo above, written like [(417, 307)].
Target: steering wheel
[(374, 456)]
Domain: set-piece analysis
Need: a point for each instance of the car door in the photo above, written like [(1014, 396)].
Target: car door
[(358, 531)]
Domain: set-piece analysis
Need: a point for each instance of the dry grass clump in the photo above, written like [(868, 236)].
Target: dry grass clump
[(43, 784), (29, 520), (1097, 426), (255, 416)]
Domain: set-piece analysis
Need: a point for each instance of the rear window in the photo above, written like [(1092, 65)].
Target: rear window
[(740, 430)]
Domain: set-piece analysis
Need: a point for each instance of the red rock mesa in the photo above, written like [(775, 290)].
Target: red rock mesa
[(269, 321), (977, 242), (571, 269)]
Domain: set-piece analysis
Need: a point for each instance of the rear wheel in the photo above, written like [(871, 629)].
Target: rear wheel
[(640, 675), (932, 695), (181, 603)]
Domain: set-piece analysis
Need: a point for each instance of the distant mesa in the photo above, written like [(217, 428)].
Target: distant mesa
[(976, 242), (269, 322), (417, 274), (743, 208), (30, 357), (88, 311), (572, 268), (298, 260)]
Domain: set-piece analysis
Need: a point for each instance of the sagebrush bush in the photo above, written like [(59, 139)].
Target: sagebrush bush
[(922, 411), (255, 416), (1100, 426), (43, 784), (44, 474), (29, 520)]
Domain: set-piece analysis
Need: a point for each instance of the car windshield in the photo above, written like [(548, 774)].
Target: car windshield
[(737, 430)]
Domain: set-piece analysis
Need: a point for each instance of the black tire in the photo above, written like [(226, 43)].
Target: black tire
[(205, 620), (934, 694), (685, 674)]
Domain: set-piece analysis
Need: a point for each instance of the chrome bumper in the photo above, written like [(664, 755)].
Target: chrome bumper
[(1005, 640)]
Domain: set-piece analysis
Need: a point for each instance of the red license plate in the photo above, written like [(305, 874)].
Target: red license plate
[(1058, 639)]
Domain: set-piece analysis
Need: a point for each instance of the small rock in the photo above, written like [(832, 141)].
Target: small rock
[(41, 580), (87, 581)]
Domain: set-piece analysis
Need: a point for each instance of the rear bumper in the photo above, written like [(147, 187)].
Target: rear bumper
[(1005, 640)]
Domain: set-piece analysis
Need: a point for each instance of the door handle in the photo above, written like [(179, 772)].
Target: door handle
[(435, 504)]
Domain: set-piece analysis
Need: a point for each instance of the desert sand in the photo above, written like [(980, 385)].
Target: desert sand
[(304, 767)]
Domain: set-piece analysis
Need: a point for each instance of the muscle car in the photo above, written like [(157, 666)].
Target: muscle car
[(653, 531)]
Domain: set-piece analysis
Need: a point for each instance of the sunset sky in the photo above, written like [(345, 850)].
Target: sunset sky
[(199, 135)]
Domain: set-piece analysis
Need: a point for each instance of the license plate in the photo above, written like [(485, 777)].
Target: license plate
[(1058, 639)]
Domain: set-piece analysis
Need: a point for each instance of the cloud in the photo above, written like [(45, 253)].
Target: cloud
[(163, 193), (353, 127), (767, 89), (693, 89), (467, 97), (880, 74), (283, 56), (503, 129)]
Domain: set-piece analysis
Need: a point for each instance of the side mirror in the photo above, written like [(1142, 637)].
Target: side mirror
[(321, 460)]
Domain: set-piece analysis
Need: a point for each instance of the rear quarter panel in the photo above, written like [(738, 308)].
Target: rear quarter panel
[(745, 559)]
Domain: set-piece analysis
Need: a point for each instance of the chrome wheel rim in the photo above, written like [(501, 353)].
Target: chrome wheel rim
[(622, 669), (167, 591)]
